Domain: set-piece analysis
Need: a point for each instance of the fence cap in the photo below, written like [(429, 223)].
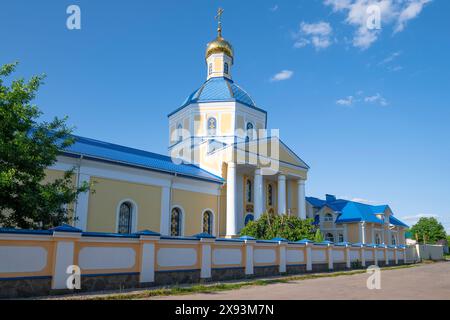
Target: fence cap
[(325, 243), (280, 240), (305, 241), (343, 244), (148, 233), (247, 238), (66, 228), (204, 235)]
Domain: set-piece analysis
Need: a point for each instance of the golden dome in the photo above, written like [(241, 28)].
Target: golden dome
[(219, 45)]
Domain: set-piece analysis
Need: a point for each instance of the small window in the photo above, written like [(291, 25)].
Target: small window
[(207, 222), (212, 126), (180, 132), (248, 218), (125, 218), (329, 237), (210, 69), (250, 130), (269, 195), (341, 237), (225, 68), (175, 222), (328, 217), (377, 239), (249, 191), (393, 240)]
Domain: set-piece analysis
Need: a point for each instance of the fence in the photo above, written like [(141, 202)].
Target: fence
[(36, 262)]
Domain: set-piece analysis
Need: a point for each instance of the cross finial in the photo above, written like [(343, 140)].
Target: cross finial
[(219, 19)]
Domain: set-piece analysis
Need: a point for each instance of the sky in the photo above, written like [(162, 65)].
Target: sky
[(367, 108)]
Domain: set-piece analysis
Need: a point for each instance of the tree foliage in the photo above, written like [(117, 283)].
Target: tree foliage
[(270, 226), (430, 228), (27, 148), (318, 237)]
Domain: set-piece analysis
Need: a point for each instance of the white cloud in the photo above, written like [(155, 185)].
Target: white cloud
[(365, 201), (390, 58), (374, 99), (274, 8), (346, 101), (411, 220), (378, 99), (283, 75), (411, 11), (397, 12), (316, 34)]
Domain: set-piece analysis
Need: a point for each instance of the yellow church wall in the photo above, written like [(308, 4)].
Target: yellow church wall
[(226, 126), (193, 205), (109, 194), (198, 125), (218, 64), (369, 231)]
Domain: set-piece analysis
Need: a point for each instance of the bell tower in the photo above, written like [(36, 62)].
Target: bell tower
[(219, 54)]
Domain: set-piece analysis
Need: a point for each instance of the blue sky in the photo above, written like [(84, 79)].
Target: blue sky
[(368, 110)]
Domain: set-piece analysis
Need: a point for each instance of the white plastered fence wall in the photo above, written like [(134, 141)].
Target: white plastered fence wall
[(42, 258)]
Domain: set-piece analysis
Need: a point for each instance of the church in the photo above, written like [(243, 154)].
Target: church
[(224, 168)]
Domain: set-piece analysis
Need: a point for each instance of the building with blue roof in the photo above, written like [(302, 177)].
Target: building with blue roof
[(224, 168), (343, 220)]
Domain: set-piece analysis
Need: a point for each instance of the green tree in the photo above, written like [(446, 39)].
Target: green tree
[(27, 148), (318, 237), (430, 228), (279, 226)]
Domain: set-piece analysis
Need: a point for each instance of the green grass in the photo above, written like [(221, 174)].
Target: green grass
[(218, 287)]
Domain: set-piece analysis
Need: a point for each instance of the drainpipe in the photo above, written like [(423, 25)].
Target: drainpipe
[(78, 185)]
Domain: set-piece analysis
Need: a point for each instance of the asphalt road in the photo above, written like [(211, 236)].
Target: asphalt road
[(430, 281)]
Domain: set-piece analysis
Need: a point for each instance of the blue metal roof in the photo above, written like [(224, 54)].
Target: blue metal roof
[(219, 89), (108, 152), (351, 211)]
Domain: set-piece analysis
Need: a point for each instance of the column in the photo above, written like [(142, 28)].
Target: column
[(301, 199), (205, 272), (165, 211), (347, 257), (363, 256), (82, 207), (231, 200), (65, 238), (147, 241), (281, 194), (330, 257), (282, 252), (258, 196), (362, 232), (308, 257), (249, 268), (386, 255)]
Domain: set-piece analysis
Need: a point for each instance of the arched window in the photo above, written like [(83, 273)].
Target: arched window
[(212, 126), (225, 68), (269, 195), (377, 239), (210, 69), (125, 218), (249, 191), (208, 222), (248, 218), (328, 217), (180, 132), (175, 222), (393, 240), (329, 237), (250, 130), (341, 237)]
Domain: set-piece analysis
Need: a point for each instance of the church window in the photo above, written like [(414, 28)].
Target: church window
[(175, 222), (393, 240), (125, 218), (341, 237), (250, 129), (377, 239), (328, 217), (248, 218), (207, 222), (225, 67), (249, 191), (329, 237), (212, 126), (269, 195), (180, 132)]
